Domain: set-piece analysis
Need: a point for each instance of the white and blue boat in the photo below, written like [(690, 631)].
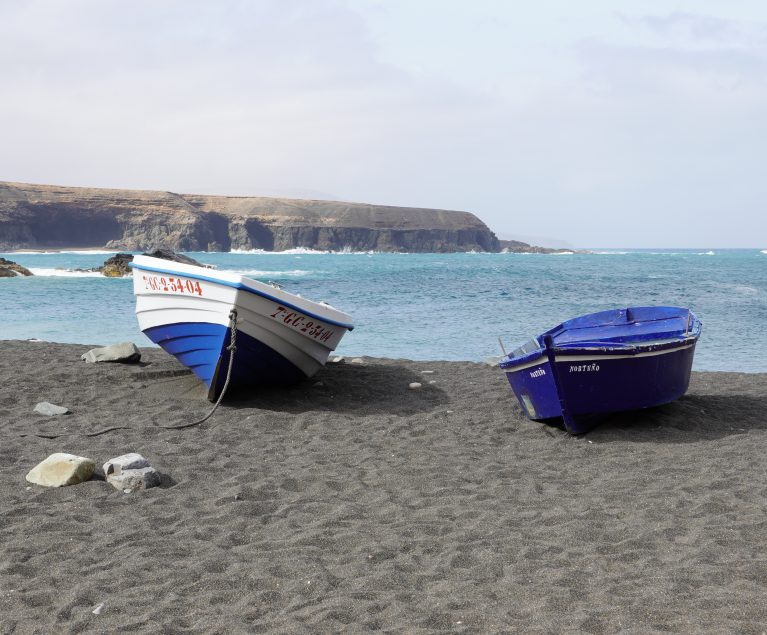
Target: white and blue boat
[(602, 363), (193, 312)]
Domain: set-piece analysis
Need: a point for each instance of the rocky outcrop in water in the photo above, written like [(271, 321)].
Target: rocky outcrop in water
[(9, 269), (119, 265), (53, 217), (518, 247)]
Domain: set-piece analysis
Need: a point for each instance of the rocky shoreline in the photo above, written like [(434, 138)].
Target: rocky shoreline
[(10, 269), (518, 247)]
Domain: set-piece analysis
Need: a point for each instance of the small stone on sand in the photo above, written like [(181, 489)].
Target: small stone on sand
[(125, 352), (49, 409), (427, 372), (414, 385)]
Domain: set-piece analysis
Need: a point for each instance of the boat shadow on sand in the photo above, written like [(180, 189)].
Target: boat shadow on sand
[(373, 387), (694, 417)]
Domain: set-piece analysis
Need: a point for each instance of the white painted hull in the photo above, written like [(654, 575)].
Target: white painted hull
[(302, 332)]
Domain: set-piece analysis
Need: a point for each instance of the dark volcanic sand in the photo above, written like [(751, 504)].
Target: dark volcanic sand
[(360, 505)]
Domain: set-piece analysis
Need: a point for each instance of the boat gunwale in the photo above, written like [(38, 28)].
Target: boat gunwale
[(603, 348)]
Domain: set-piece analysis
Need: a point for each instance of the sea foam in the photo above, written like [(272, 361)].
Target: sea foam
[(66, 273), (88, 252), (257, 273), (299, 251)]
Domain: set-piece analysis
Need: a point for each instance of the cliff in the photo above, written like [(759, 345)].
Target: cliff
[(54, 217)]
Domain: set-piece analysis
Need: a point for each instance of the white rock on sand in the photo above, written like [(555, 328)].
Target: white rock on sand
[(61, 469), (49, 409), (414, 385), (130, 461)]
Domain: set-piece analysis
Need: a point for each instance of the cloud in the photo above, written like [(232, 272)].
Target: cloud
[(219, 96), (698, 29)]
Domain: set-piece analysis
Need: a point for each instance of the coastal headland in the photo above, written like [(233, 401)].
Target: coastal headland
[(54, 217), (350, 503), (51, 217)]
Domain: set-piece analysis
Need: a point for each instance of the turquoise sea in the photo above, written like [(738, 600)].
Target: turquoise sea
[(430, 306)]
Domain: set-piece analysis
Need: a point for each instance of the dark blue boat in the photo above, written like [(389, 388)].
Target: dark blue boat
[(597, 364)]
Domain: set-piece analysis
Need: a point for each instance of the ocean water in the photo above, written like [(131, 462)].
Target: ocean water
[(430, 306)]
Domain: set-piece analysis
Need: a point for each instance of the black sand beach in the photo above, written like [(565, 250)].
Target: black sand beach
[(351, 503)]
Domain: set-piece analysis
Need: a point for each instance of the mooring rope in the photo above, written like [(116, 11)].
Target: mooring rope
[(232, 348)]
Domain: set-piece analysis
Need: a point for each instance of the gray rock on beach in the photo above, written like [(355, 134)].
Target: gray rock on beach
[(125, 352), (130, 461), (133, 480), (61, 469), (131, 472), (49, 409)]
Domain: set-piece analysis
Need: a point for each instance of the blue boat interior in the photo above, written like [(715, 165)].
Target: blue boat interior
[(631, 325), (617, 330)]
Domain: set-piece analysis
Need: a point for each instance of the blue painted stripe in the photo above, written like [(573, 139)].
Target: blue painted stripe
[(197, 345), (201, 347), (242, 287)]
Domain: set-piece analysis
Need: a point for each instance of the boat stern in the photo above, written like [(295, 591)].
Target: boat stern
[(530, 376)]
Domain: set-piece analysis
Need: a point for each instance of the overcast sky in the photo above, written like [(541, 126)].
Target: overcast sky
[(600, 123)]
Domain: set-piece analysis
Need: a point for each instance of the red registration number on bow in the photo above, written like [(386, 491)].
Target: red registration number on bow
[(303, 324), (172, 285)]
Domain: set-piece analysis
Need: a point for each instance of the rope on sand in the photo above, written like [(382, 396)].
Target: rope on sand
[(232, 348), (85, 434)]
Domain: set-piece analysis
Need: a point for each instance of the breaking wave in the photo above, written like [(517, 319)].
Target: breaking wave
[(301, 251), (257, 273), (65, 273), (48, 252)]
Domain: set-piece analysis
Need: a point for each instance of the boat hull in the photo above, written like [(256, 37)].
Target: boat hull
[(203, 348), (535, 390), (602, 385), (583, 388)]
